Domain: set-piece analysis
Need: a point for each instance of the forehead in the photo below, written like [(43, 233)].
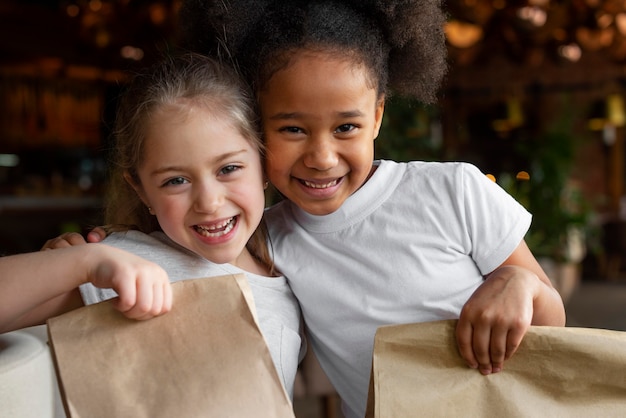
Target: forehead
[(331, 59), (184, 114), (194, 126), (184, 108), (319, 79)]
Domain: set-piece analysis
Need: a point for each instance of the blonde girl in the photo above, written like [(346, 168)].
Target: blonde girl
[(187, 190)]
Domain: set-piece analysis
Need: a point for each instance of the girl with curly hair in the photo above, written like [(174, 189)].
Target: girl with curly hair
[(363, 242)]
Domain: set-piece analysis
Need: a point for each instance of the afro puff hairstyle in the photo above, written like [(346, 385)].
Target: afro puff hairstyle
[(400, 42)]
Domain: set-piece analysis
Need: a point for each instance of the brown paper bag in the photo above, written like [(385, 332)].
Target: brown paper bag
[(205, 358), (556, 372)]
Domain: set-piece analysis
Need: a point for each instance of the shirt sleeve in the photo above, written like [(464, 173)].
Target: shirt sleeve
[(496, 222)]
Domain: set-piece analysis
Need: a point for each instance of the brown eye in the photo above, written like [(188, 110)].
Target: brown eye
[(231, 168), (175, 181), (291, 129), (346, 127)]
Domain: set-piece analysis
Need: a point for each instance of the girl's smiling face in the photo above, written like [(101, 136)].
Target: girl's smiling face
[(204, 182), (320, 117)]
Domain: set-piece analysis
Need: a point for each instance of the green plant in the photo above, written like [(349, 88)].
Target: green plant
[(561, 215), (409, 131)]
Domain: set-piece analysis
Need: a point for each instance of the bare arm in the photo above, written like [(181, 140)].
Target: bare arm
[(497, 316), (548, 306), (37, 286)]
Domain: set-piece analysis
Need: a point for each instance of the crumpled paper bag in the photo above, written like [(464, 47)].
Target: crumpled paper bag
[(205, 358), (556, 372)]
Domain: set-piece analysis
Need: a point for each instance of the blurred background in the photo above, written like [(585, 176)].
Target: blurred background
[(534, 98), (62, 65)]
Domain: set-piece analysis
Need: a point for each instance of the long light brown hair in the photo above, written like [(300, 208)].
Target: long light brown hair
[(195, 78)]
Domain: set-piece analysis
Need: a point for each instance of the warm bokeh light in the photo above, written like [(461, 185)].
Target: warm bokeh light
[(536, 16), (132, 53), (95, 5), (462, 34), (570, 52), (72, 10)]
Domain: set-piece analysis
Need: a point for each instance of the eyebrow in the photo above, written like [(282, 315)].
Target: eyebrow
[(297, 115), (218, 160)]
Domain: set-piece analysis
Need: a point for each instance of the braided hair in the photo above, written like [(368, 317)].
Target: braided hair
[(400, 42)]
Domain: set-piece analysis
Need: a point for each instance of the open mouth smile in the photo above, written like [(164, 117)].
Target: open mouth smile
[(325, 185), (218, 229)]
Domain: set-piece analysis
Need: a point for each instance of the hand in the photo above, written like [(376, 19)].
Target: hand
[(70, 239), (97, 234), (143, 287), (496, 317)]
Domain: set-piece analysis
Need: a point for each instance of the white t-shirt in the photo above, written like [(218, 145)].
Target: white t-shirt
[(277, 308), (411, 245)]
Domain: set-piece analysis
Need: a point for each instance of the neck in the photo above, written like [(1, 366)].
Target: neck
[(247, 262)]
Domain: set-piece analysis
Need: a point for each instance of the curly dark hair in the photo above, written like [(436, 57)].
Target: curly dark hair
[(400, 42)]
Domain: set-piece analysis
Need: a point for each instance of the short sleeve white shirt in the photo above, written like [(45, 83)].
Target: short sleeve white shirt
[(411, 245)]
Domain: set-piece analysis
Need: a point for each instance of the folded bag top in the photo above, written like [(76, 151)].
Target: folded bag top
[(205, 358), (556, 372)]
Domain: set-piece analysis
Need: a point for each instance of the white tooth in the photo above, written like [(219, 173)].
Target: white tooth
[(227, 225), (320, 186)]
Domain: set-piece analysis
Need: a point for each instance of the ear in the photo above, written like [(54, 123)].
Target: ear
[(137, 187), (380, 110)]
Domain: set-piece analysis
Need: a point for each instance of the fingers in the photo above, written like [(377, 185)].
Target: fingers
[(495, 318), (127, 298), (514, 339), (143, 287), (497, 351), (480, 347), (145, 298), (70, 239), (67, 239), (464, 333), (486, 347), (96, 235), (152, 301)]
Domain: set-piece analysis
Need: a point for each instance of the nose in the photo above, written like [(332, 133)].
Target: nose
[(208, 198), (320, 153)]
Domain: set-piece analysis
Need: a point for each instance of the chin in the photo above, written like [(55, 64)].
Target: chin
[(319, 211)]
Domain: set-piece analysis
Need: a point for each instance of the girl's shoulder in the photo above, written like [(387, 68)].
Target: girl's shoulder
[(137, 237), (152, 246), (429, 170), (445, 169), (457, 179)]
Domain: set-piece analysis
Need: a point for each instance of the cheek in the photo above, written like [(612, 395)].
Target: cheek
[(362, 153), (274, 166), (280, 156), (249, 190), (169, 211), (252, 201), (273, 174)]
